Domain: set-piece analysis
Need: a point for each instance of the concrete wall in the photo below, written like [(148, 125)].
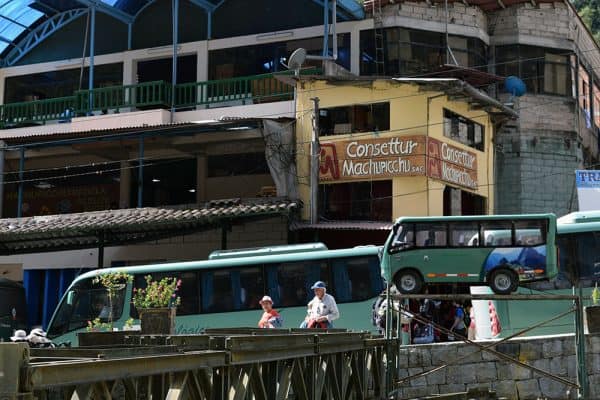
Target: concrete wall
[(554, 354)]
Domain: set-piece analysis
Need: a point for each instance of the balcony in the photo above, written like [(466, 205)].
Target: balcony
[(256, 89)]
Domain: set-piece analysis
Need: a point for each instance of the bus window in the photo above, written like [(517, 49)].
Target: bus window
[(296, 278), (217, 291), (530, 232), (86, 302), (405, 236), (496, 233), (588, 254), (356, 279), (188, 291), (464, 234), (252, 288), (431, 235)]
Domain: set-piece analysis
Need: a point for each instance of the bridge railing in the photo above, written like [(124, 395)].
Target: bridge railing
[(340, 365)]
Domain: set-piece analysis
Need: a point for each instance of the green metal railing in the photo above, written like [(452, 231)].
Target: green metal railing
[(60, 108), (142, 95), (253, 89)]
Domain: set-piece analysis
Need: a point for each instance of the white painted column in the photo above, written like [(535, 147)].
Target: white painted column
[(202, 62), (355, 51)]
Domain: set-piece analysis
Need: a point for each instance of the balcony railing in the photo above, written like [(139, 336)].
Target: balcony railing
[(157, 94)]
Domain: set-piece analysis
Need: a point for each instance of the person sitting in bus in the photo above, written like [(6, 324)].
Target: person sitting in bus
[(322, 309), (270, 317)]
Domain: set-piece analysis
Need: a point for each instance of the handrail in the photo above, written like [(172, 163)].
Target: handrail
[(263, 88)]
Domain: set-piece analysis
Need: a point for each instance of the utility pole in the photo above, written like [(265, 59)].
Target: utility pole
[(315, 156)]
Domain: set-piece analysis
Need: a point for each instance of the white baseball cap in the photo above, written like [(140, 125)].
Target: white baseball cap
[(20, 336), (266, 298)]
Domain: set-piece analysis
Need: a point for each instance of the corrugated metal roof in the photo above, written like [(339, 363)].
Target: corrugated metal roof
[(345, 225), (117, 227)]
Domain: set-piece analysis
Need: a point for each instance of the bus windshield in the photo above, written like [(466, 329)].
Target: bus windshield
[(85, 301), (499, 250)]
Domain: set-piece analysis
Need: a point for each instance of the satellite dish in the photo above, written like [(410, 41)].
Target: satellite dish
[(296, 60), (515, 86)]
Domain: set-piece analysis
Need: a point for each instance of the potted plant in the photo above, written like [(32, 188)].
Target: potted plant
[(157, 304), (592, 312)]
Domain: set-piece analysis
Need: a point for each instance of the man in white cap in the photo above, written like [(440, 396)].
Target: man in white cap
[(322, 309), (270, 317)]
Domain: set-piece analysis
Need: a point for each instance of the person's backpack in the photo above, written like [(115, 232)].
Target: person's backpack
[(466, 318)]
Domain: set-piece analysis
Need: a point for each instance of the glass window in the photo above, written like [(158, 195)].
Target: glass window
[(188, 291), (464, 234), (431, 235), (356, 279), (252, 288), (496, 233), (370, 201), (355, 118), (588, 255), (405, 236), (530, 233), (543, 70), (85, 302), (295, 279), (463, 130)]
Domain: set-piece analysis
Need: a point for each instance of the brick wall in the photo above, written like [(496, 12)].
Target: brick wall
[(554, 354)]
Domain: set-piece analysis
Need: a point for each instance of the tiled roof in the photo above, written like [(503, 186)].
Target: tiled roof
[(117, 227), (345, 225)]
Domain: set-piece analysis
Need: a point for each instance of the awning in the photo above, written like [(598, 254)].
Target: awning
[(344, 225), (128, 226)]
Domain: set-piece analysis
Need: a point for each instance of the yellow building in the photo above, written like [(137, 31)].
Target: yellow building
[(395, 147)]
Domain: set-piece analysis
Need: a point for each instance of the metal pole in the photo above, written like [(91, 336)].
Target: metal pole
[(582, 376), (100, 250), (209, 25), (315, 152), (20, 192), (92, 51), (325, 28), (141, 174), (175, 6), (129, 35)]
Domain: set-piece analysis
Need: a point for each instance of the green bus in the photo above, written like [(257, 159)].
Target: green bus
[(578, 239), (224, 290), (498, 250)]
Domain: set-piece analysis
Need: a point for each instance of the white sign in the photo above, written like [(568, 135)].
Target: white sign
[(588, 189)]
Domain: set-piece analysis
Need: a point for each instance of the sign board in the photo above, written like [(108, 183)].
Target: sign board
[(588, 189), (364, 159)]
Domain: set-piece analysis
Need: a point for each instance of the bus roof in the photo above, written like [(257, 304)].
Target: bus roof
[(237, 261), (266, 250), (459, 218), (581, 221)]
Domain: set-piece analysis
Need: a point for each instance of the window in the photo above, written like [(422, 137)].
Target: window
[(405, 236), (431, 235), (543, 70), (370, 201), (411, 52), (237, 164), (588, 254), (355, 118), (463, 130), (530, 233), (464, 234), (188, 291), (252, 288), (496, 233), (295, 279), (232, 289), (356, 279)]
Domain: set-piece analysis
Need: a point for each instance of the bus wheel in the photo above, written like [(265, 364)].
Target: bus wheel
[(503, 281), (408, 282)]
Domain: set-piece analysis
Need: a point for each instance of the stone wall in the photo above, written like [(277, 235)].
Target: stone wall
[(554, 354)]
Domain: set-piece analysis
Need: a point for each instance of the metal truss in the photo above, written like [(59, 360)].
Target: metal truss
[(41, 33)]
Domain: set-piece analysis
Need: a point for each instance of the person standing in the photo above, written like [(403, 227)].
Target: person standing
[(458, 326), (322, 309), (270, 317)]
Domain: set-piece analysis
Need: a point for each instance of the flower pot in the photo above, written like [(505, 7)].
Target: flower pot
[(158, 321), (592, 318)]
